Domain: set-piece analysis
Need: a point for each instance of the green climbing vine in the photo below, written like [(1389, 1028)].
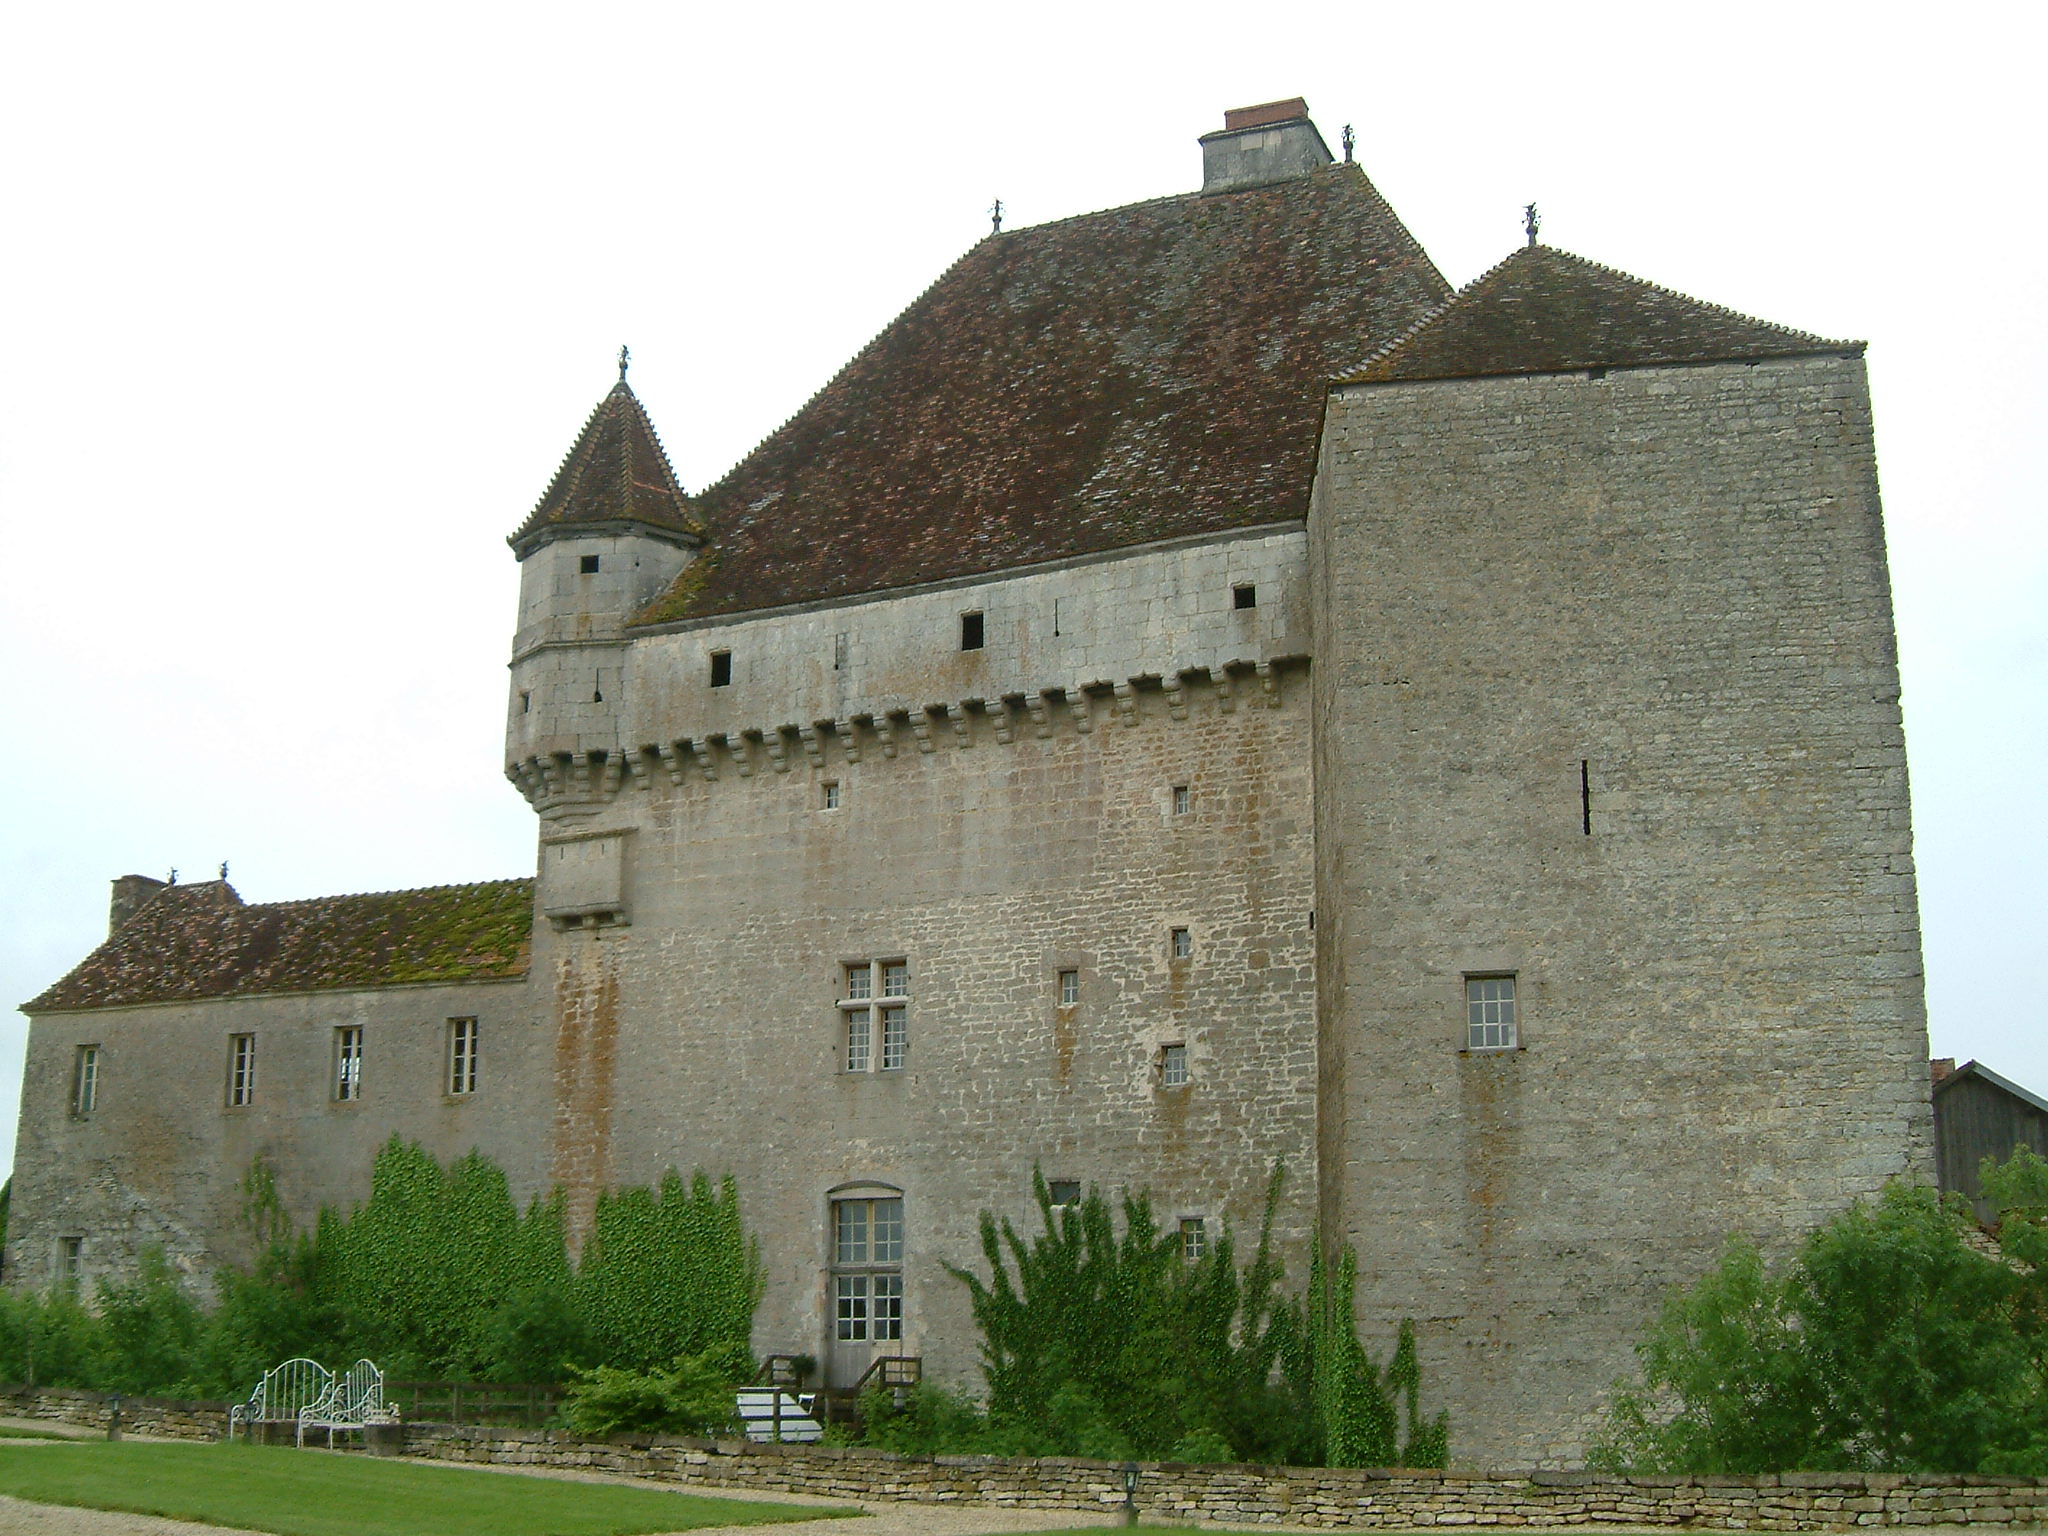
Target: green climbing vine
[(438, 1274)]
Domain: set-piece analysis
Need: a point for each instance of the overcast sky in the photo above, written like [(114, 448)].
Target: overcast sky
[(300, 308)]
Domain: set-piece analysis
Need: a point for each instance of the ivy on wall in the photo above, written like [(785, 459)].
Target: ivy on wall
[(437, 1274)]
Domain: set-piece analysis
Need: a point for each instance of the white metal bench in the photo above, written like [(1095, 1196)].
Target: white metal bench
[(283, 1394), (769, 1414)]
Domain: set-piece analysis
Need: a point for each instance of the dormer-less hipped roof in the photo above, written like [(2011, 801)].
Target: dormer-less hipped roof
[(1152, 372), (189, 942), (617, 478), (1547, 311)]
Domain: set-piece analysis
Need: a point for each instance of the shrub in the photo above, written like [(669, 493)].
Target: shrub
[(1888, 1342), (693, 1397)]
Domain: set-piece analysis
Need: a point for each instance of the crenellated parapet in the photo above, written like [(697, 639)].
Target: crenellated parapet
[(565, 780)]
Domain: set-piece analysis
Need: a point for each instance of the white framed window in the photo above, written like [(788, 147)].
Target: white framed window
[(1180, 944), (1194, 1238), (70, 1264), (1490, 1013), (874, 1015), (241, 1071), (828, 795), (867, 1270), (85, 1080), (348, 1063), (1183, 799), (1173, 1066), (464, 1041), (1070, 988)]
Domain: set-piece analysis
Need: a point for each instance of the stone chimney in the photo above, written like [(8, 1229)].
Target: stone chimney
[(131, 895), (1259, 145), (1941, 1067)]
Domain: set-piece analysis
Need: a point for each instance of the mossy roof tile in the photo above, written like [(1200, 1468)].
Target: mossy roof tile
[(1547, 311), (1149, 372), (199, 941)]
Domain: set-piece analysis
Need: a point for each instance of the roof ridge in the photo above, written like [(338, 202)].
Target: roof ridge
[(412, 890), (1617, 288)]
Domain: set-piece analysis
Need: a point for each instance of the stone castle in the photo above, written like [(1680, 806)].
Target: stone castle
[(1194, 693)]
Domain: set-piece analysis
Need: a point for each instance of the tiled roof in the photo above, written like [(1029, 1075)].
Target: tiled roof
[(197, 941), (616, 473), (1548, 311), (1108, 380)]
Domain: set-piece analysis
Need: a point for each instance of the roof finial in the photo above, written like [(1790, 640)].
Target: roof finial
[(174, 874), (625, 357), (223, 871), (1532, 221), (1350, 139), (995, 218)]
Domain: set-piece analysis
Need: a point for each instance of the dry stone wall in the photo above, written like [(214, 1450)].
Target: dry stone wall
[(1324, 1497)]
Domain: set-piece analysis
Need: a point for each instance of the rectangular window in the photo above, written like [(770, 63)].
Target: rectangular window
[(348, 1063), (1490, 1013), (853, 1308), (1070, 988), (587, 565), (70, 1264), (1194, 1238), (1065, 1191), (842, 644), (867, 1255), (970, 631), (1173, 1066), (463, 1041), (241, 1070), (721, 669), (1183, 801), (85, 1080), (1244, 595), (888, 1321), (876, 997), (828, 797), (1182, 944)]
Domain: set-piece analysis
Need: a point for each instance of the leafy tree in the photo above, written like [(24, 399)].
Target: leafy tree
[(1891, 1341)]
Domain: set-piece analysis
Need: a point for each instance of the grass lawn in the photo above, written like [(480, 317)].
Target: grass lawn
[(313, 1493), (9, 1432)]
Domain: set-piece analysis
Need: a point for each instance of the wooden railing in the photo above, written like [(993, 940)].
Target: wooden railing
[(522, 1405)]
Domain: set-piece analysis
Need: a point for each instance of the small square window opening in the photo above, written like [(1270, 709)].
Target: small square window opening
[(1173, 1066), (1244, 595), (721, 669), (970, 631), (1490, 1013), (1070, 988), (828, 798), (348, 1063), (1194, 1238), (587, 565), (1181, 944), (1183, 801), (85, 1080), (1064, 1191)]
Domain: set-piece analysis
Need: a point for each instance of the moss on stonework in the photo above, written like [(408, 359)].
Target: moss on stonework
[(676, 602)]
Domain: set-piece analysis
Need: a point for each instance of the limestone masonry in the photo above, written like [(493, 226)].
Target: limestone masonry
[(1194, 693)]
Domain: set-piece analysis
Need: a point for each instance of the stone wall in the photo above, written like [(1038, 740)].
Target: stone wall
[(1307, 1496), (160, 1160), (1606, 700), (172, 1418)]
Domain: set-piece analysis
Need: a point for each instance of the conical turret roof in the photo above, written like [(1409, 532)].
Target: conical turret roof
[(617, 474), (1547, 311)]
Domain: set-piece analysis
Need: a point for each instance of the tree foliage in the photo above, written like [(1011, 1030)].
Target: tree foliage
[(1894, 1340), (1103, 1338)]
